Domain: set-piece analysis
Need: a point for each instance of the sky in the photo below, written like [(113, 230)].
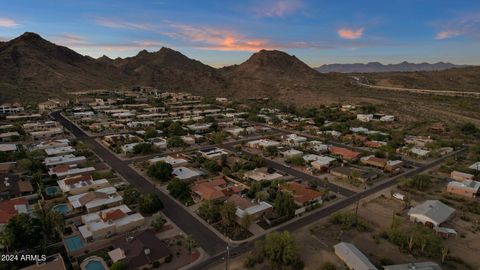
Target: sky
[(224, 32)]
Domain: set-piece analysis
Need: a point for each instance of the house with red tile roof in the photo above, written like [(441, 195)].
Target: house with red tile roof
[(11, 208), (344, 153), (301, 194), (216, 189)]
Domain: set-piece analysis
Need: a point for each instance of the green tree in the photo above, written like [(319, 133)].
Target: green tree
[(150, 203), (143, 148), (175, 141), (227, 213), (209, 210), (151, 133), (131, 195), (175, 129), (51, 224), (158, 222), (179, 190), (271, 151), (160, 170), (211, 166), (284, 204), (281, 250), (246, 221), (297, 161), (118, 266)]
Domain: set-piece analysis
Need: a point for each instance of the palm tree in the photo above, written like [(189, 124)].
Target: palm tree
[(51, 223), (445, 252), (190, 245)]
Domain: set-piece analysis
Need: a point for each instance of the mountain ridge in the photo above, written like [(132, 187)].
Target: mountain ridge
[(376, 67)]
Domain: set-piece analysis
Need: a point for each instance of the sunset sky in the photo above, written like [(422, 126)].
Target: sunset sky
[(226, 32)]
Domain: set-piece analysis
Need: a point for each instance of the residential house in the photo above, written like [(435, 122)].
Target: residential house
[(62, 171), (344, 153), (59, 150), (461, 176), (52, 262), (140, 250), (216, 189), (353, 257), (393, 165), (11, 208), (9, 136), (11, 108), (80, 184), (52, 104), (64, 160), (431, 213), (420, 141), (262, 143), (291, 153), (108, 222), (301, 194), (12, 186), (175, 161), (96, 200), (466, 188), (8, 147), (414, 266), (293, 140), (262, 174), (187, 174), (213, 153), (52, 144), (374, 161), (246, 207)]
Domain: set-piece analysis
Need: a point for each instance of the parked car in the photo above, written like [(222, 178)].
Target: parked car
[(398, 196)]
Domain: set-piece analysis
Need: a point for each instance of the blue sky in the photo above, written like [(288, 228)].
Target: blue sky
[(224, 32)]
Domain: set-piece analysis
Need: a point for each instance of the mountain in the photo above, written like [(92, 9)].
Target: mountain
[(34, 67), (30, 62), (379, 67)]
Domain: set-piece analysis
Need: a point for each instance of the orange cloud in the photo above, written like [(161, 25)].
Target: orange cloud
[(6, 22), (217, 39), (348, 33)]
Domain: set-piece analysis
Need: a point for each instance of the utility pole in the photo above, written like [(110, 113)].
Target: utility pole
[(228, 255)]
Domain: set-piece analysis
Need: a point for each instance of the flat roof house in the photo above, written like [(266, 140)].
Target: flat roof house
[(115, 220), (293, 139), (62, 171), (80, 183), (59, 150), (414, 266), (291, 153), (261, 174), (467, 188), (353, 257), (212, 153), (461, 176), (431, 212), (63, 160), (262, 143), (175, 161)]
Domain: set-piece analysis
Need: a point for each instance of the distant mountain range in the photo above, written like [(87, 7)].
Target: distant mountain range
[(379, 67)]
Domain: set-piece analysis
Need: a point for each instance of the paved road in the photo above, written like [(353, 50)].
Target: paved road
[(208, 240)]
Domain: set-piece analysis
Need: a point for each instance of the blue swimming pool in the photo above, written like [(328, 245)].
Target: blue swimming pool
[(73, 243), (61, 208), (94, 265), (52, 191)]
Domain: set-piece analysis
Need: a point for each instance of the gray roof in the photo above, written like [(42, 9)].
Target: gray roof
[(416, 266), (433, 209), (353, 257)]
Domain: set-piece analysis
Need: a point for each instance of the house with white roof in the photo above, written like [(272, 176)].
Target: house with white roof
[(80, 184), (431, 212), (172, 160), (467, 188), (59, 150), (262, 174), (262, 143), (353, 257), (52, 144), (293, 139), (108, 222), (62, 171), (187, 174), (96, 200), (8, 147), (475, 166), (212, 153), (65, 159), (291, 153)]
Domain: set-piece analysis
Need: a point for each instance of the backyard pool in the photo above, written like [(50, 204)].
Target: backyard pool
[(94, 263), (52, 191), (73, 243), (61, 208)]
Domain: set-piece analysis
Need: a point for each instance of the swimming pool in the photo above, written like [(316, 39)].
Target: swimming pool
[(94, 265), (52, 191), (73, 243), (61, 208)]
